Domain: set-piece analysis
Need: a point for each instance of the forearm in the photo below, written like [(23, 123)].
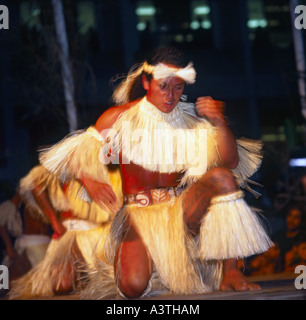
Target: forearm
[(43, 201), (227, 146), (225, 140), (101, 193)]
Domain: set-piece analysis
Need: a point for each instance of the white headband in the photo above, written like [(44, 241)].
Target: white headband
[(161, 70)]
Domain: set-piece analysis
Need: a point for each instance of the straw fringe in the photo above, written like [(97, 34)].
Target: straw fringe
[(182, 264), (166, 142), (40, 176), (90, 210), (80, 155), (162, 229), (74, 248), (250, 156), (50, 272), (177, 268), (231, 229), (77, 155)]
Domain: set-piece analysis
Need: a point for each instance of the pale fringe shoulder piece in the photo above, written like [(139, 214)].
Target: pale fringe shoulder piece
[(148, 149), (40, 176), (77, 155), (89, 210), (231, 229), (250, 158), (249, 151)]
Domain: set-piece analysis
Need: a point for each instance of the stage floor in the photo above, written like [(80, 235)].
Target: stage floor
[(273, 287)]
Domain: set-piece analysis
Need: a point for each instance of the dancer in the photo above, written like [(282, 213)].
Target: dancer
[(77, 228), (26, 238), (184, 222)]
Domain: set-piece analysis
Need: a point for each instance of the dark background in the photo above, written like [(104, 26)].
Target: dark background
[(243, 52)]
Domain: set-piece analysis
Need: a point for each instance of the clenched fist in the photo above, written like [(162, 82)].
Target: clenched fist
[(212, 109)]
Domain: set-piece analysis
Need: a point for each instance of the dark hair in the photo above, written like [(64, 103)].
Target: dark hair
[(167, 55)]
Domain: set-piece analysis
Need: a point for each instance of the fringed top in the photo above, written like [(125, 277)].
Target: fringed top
[(177, 141)]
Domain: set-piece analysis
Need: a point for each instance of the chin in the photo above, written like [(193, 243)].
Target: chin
[(168, 109)]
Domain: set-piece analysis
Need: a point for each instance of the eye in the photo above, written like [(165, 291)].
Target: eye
[(179, 87), (164, 86)]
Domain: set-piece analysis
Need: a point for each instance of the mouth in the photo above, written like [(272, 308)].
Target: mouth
[(169, 103)]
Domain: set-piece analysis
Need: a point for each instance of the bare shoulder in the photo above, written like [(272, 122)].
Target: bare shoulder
[(109, 117)]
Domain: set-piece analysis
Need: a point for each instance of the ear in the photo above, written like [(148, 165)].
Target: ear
[(145, 83)]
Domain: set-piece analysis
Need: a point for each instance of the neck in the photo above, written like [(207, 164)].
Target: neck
[(149, 109)]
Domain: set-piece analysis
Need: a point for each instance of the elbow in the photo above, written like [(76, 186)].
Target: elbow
[(233, 166), (233, 162)]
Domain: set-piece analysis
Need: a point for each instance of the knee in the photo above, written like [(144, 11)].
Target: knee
[(222, 179), (133, 286), (64, 282), (65, 286)]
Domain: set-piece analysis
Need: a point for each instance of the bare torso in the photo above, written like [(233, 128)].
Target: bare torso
[(134, 177)]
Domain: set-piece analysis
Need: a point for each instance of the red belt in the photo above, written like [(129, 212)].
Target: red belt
[(153, 196)]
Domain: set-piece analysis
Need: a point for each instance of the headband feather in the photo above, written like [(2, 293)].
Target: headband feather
[(160, 71)]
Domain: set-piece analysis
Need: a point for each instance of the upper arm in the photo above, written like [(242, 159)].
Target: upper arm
[(107, 119), (110, 116)]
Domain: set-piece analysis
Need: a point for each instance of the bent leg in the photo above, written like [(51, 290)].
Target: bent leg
[(65, 277), (66, 282), (216, 182), (133, 266)]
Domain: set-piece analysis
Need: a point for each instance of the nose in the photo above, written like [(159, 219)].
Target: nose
[(169, 93)]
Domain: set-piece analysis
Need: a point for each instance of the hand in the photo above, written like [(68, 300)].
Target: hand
[(58, 228), (213, 110), (101, 193)]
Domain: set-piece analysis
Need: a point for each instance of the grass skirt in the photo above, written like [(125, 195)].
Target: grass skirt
[(74, 249), (182, 264)]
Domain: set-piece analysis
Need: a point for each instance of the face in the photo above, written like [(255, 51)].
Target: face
[(164, 93), (294, 219)]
